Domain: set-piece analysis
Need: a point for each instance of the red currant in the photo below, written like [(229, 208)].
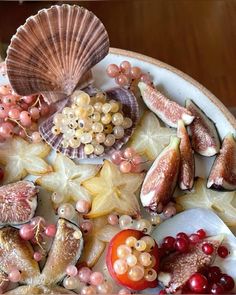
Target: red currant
[(214, 274), (181, 245), (162, 292), (183, 236), (207, 248), (198, 283), (201, 233), (194, 239), (227, 282), (216, 289), (169, 243), (223, 252)]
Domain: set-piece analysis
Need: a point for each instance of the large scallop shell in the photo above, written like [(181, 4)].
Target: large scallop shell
[(130, 109), (54, 49)]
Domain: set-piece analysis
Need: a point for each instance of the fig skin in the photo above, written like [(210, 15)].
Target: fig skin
[(18, 202), (223, 172), (187, 164), (16, 252), (160, 181), (204, 137), (177, 268), (65, 250), (167, 110)]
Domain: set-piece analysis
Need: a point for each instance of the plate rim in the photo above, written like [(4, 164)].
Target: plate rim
[(229, 116)]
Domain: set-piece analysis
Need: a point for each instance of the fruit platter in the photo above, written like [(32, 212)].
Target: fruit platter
[(117, 171)]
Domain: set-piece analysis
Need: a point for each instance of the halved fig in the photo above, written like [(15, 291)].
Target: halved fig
[(4, 282), (17, 253), (205, 139), (167, 110), (187, 165), (177, 268), (18, 202), (25, 290), (161, 179), (111, 257), (65, 250), (223, 171)]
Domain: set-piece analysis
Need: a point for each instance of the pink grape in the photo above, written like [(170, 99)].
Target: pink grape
[(113, 219), (96, 278), (22, 133), (24, 106), (37, 256), (117, 157), (145, 78), (50, 230), (28, 99), (125, 166), (27, 232), (72, 270), (4, 109), (5, 89), (125, 67), (14, 275), (135, 72), (137, 159), (84, 274), (129, 153), (14, 114), (83, 206), (36, 137), (25, 118), (113, 70), (35, 113), (44, 109), (6, 130), (122, 80), (9, 100)]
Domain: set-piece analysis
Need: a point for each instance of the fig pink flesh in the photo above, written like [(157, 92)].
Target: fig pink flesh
[(16, 252), (179, 267), (18, 202), (161, 179), (186, 173), (223, 172), (65, 250), (205, 140), (167, 110)]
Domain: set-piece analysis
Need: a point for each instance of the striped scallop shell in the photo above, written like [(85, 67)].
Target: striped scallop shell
[(130, 109), (54, 49)]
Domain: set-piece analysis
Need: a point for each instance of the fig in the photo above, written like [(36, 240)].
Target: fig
[(223, 171), (205, 139), (167, 110), (187, 165), (161, 179), (16, 252), (65, 250), (177, 268), (18, 202)]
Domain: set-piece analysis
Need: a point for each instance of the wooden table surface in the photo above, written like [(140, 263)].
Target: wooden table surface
[(196, 36)]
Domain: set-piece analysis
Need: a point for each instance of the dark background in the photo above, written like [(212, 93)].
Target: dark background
[(196, 36)]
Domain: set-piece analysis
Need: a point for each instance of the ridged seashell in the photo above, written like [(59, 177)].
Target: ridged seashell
[(130, 109), (54, 49)]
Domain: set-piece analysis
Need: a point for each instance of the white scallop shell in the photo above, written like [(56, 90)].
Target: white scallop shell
[(54, 49)]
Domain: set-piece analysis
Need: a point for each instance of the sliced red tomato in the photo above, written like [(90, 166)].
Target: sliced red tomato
[(111, 257)]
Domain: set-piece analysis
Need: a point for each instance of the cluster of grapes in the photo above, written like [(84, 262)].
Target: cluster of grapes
[(19, 115), (125, 74), (128, 160), (94, 122)]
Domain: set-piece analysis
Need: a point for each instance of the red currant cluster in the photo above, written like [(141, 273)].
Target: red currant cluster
[(20, 114), (128, 160), (209, 280), (35, 231), (124, 74)]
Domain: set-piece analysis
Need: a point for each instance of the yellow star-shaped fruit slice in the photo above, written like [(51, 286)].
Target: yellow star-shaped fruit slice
[(202, 197), (150, 137), (22, 158), (113, 191), (67, 177), (95, 242)]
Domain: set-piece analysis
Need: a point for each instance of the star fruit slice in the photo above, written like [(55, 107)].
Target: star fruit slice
[(67, 177), (150, 138), (113, 191), (202, 197), (22, 158)]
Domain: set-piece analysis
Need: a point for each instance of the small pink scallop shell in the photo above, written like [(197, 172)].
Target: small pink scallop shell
[(130, 109), (54, 49)]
